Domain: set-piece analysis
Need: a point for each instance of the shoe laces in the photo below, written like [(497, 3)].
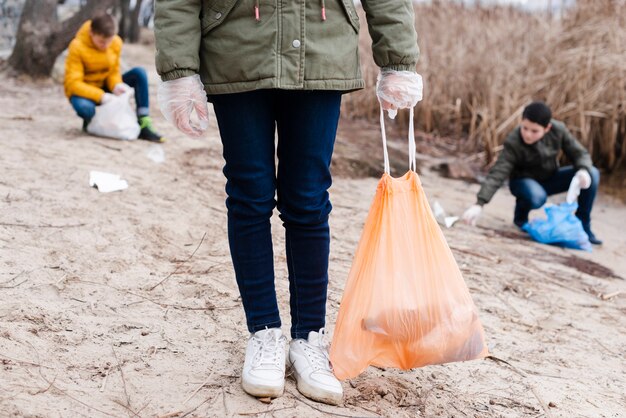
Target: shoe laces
[(317, 353), (268, 349)]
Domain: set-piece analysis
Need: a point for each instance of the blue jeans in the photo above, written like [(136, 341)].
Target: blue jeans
[(136, 78), (532, 194), (307, 124)]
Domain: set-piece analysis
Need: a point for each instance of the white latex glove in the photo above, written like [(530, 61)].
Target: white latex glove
[(178, 98), (120, 88), (398, 90), (107, 97), (471, 215), (574, 190), (584, 178)]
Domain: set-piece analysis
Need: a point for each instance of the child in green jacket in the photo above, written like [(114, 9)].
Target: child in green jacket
[(281, 67), (529, 160)]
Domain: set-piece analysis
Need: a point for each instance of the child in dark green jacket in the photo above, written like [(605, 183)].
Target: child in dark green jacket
[(529, 160)]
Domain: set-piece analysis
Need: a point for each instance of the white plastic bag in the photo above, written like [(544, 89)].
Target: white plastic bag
[(116, 119)]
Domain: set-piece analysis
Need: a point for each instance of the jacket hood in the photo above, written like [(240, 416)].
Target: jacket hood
[(84, 34)]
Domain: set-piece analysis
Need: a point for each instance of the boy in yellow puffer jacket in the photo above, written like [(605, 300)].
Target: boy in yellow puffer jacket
[(93, 77)]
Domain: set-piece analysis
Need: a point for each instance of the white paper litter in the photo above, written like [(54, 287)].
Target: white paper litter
[(440, 216), (156, 153), (106, 182), (438, 210), (450, 220)]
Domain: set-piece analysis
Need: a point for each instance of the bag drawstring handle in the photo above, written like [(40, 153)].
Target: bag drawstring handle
[(412, 151)]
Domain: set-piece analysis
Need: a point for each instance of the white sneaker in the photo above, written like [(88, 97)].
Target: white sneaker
[(263, 373), (311, 367)]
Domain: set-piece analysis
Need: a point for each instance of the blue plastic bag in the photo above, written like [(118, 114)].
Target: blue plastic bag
[(561, 228)]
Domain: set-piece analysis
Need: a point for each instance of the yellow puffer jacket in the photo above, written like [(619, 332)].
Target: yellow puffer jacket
[(89, 70)]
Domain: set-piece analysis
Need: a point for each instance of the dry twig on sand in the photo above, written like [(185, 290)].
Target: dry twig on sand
[(180, 265), (529, 385), (312, 406), (198, 389), (119, 367)]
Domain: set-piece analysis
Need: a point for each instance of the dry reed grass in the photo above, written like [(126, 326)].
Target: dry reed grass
[(482, 66)]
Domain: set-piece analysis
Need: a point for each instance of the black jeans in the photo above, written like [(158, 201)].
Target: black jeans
[(306, 122)]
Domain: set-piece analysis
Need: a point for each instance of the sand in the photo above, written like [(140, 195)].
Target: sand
[(125, 304)]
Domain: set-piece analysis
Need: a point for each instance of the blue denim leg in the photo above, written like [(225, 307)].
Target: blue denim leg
[(247, 125), (529, 195), (138, 79), (84, 108), (560, 182), (527, 189), (307, 123)]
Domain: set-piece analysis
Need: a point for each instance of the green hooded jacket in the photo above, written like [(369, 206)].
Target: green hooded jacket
[(538, 161), (243, 45)]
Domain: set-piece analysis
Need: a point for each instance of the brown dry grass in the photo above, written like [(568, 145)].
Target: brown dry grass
[(481, 66)]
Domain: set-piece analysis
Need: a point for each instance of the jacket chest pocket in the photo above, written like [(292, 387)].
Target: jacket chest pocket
[(213, 13)]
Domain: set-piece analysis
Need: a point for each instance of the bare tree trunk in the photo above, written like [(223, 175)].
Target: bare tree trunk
[(41, 37), (133, 33), (145, 18), (124, 6), (129, 22), (550, 9)]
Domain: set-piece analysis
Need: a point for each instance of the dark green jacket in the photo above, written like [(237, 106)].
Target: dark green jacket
[(538, 161), (289, 47)]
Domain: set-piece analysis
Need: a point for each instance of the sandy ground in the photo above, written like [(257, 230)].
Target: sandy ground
[(125, 304)]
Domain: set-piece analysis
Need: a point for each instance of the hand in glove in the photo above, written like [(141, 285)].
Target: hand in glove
[(398, 90), (178, 98), (106, 97), (471, 215), (583, 178), (121, 88)]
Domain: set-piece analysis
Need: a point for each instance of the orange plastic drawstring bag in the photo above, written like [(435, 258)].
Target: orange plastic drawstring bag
[(405, 303)]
